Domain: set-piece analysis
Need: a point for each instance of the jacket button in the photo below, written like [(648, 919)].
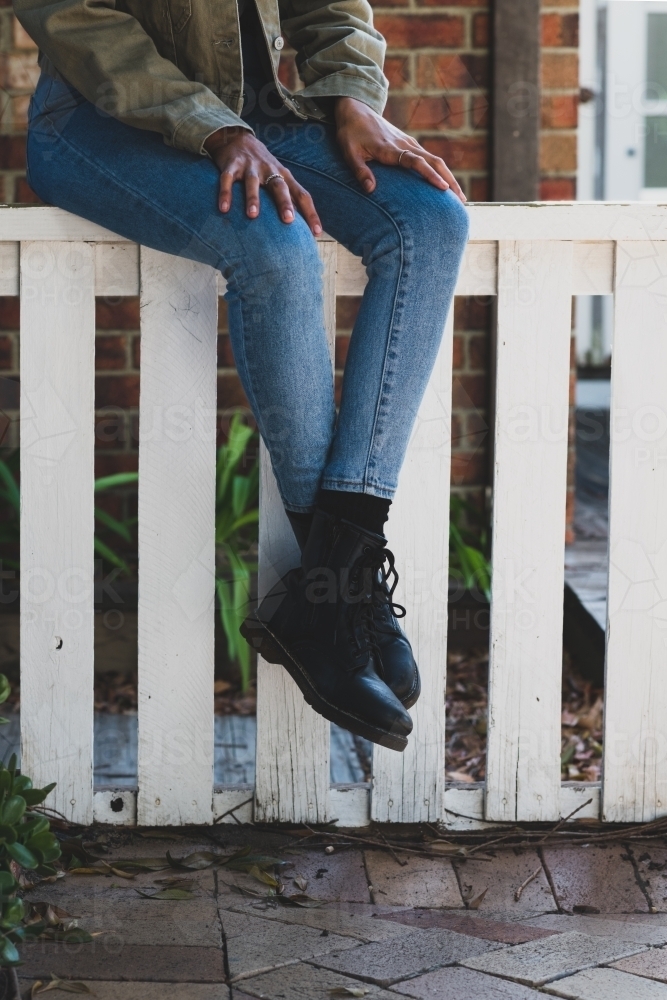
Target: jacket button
[(279, 42)]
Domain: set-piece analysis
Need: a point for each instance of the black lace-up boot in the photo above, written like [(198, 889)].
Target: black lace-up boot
[(399, 669), (318, 623)]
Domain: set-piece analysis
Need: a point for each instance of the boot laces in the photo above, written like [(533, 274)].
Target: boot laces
[(359, 610), (383, 594)]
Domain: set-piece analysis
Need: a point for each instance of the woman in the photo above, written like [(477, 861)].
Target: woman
[(164, 121)]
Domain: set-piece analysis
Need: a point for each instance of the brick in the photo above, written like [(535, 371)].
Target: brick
[(464, 984), (558, 189), (469, 391), (560, 31), (110, 353), (560, 70), (538, 962), (109, 463), (478, 352), (155, 923), (604, 879), (559, 110), (480, 31), (456, 72), (20, 36), (387, 962), (651, 964), (638, 927), (652, 869), (347, 921), (469, 923), (415, 113), (347, 309), (225, 353), (9, 312), (501, 880), (465, 153), (19, 70), (558, 153), (20, 105), (136, 352), (342, 347), (421, 882), (455, 3), (117, 314), (340, 876), (223, 323), (479, 189), (6, 353), (397, 71), (480, 109), (138, 962), (254, 945), (304, 982), (230, 392), (608, 984), (24, 194), (458, 360), (421, 30), (148, 991), (469, 468), (12, 152), (110, 430), (116, 390)]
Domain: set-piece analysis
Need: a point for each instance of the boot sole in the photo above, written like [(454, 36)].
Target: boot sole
[(271, 650)]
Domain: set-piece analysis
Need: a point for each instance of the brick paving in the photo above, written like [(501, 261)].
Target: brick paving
[(385, 928)]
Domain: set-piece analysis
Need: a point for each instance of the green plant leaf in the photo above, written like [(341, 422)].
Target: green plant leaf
[(11, 486), (118, 479), (7, 833), (34, 796), (118, 527), (13, 809), (8, 952), (107, 553), (7, 882), (21, 854), (5, 688)]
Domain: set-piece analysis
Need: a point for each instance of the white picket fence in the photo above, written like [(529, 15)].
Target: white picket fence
[(534, 258)]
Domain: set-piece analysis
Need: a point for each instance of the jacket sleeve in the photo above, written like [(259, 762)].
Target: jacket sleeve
[(339, 52), (109, 58)]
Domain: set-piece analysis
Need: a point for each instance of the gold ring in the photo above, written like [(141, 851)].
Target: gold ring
[(272, 177), (402, 153)]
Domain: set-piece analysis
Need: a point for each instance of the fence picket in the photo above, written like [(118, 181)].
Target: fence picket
[(176, 539), (57, 475), (409, 787), (531, 436), (635, 728), (292, 763)]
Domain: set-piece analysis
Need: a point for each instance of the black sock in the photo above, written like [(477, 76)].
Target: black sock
[(363, 509)]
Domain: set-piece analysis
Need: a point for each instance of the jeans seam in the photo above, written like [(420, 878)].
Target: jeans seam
[(382, 388)]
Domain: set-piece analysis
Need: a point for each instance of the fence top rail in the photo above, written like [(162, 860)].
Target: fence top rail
[(576, 221)]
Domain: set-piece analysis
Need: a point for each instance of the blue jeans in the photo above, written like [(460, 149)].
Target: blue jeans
[(410, 235)]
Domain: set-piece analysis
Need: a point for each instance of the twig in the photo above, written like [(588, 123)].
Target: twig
[(565, 819), (14, 976), (393, 852), (517, 894), (230, 812)]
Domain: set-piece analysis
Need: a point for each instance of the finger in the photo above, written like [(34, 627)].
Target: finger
[(306, 206), (279, 191), (413, 161), (226, 183), (441, 168), (360, 169), (251, 194)]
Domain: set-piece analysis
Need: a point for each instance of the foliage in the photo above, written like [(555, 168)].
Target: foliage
[(236, 520), (468, 543), (9, 494), (26, 840)]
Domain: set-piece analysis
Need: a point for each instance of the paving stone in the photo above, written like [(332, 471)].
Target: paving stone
[(340, 876), (491, 930), (501, 877), (304, 982), (641, 928), (148, 991), (389, 962), (421, 882), (595, 877), (652, 964), (99, 960), (607, 984), (538, 962), (336, 921), (255, 945), (463, 984), (652, 867), (156, 922)]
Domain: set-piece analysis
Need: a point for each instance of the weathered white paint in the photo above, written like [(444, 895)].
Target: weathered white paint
[(57, 592), (176, 539), (292, 763), (531, 435), (115, 806), (635, 718), (409, 787)]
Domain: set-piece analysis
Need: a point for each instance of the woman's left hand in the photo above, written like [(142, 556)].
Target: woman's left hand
[(363, 135)]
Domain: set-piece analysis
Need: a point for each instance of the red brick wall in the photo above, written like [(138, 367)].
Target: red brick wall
[(438, 64)]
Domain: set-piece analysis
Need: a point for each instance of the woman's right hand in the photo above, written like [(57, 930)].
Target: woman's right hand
[(239, 156)]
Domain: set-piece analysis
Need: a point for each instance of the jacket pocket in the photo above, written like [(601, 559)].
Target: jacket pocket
[(179, 13)]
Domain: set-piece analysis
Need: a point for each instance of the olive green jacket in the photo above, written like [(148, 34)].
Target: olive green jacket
[(175, 66)]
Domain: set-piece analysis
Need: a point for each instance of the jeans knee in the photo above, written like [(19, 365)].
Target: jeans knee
[(284, 256), (441, 220)]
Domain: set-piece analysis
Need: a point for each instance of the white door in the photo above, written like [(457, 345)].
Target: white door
[(636, 101)]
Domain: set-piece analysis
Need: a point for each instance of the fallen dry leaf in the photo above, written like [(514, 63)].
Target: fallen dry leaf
[(66, 985), (475, 903), (301, 883), (349, 991)]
